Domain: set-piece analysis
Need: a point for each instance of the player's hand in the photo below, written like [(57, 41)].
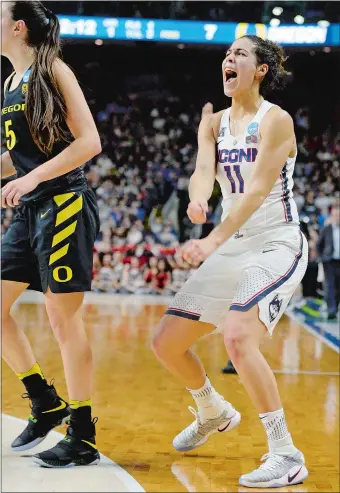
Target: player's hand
[(197, 211), (195, 252), (207, 109), (14, 190)]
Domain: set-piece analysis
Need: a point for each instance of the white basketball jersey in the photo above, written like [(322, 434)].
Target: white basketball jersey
[(236, 160)]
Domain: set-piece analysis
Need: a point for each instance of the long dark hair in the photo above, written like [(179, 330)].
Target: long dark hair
[(273, 55), (45, 105)]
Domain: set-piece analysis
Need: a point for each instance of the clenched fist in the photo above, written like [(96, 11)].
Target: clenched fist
[(197, 211)]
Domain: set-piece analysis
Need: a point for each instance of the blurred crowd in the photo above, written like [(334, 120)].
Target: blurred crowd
[(141, 181)]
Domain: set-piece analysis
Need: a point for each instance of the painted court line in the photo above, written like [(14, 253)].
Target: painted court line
[(106, 476), (307, 372), (310, 329)]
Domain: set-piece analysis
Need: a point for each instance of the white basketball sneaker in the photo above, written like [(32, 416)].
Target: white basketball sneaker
[(277, 471), (199, 431)]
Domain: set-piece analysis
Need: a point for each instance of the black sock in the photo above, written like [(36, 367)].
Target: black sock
[(35, 385)]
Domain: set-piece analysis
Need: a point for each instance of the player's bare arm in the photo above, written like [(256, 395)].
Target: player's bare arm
[(203, 179)]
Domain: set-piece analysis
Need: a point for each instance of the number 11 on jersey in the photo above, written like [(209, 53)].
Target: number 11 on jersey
[(235, 187)]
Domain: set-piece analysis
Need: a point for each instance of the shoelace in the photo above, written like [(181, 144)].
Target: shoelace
[(197, 414), (26, 395), (271, 461)]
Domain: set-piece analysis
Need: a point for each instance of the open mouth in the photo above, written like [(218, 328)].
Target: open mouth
[(229, 75)]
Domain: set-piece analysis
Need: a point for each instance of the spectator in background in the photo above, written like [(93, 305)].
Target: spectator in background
[(150, 275), (329, 252), (179, 274), (106, 275), (163, 278), (132, 278), (167, 237)]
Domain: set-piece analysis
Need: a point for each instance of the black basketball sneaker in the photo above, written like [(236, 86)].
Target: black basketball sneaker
[(48, 411), (77, 448)]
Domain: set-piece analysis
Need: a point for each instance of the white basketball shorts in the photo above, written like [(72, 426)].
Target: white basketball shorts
[(262, 268)]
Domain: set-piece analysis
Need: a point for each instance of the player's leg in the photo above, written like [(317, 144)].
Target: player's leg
[(66, 252), (171, 344), (16, 349), (79, 445), (19, 270), (179, 329), (262, 297)]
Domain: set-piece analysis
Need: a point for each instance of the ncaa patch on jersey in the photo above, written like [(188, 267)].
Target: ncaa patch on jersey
[(24, 88), (253, 128)]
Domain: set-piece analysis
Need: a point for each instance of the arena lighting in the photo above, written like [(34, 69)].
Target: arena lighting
[(323, 23), (327, 49), (299, 19), (274, 22), (98, 42), (277, 10)]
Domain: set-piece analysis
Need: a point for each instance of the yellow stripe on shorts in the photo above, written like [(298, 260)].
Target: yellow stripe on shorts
[(69, 211), (64, 233), (61, 199), (59, 254)]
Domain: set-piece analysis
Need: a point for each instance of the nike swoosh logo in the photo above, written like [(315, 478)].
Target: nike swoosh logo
[(91, 444), (44, 213), (62, 406), (266, 251), (223, 429), (290, 479)]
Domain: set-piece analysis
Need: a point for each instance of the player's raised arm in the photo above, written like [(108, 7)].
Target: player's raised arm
[(277, 139), (203, 179)]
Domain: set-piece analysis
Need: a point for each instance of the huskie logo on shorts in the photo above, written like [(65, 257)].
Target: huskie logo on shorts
[(274, 307)]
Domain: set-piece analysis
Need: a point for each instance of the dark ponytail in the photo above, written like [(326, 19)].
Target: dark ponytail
[(45, 105), (274, 56)]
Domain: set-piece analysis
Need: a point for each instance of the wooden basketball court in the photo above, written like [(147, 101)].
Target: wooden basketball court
[(141, 408)]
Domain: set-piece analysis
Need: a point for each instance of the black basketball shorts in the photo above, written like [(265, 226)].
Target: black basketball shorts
[(50, 245)]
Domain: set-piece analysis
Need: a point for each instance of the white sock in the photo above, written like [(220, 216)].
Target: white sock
[(279, 439), (210, 404)]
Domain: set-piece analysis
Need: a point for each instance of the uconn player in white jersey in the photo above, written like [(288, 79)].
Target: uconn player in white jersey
[(253, 261)]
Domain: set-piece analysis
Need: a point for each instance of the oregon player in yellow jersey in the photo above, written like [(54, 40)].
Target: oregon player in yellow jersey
[(50, 134)]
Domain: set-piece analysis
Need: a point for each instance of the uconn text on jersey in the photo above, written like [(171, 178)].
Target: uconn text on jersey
[(237, 155)]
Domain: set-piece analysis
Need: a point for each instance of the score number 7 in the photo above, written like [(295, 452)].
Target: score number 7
[(210, 30)]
